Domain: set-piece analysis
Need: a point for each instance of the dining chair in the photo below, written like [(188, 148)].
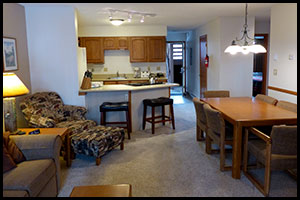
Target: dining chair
[(287, 105), (275, 152), (216, 93), (218, 132), (266, 99), (201, 126)]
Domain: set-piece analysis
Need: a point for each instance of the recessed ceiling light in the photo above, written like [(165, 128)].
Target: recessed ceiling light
[(117, 22)]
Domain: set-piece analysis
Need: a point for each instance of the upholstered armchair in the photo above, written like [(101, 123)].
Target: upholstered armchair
[(266, 99), (47, 110)]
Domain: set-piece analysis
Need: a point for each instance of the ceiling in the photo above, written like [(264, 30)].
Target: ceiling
[(176, 16)]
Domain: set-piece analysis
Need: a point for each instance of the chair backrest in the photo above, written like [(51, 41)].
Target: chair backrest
[(215, 121), (284, 140), (216, 93), (200, 113), (287, 105), (266, 99)]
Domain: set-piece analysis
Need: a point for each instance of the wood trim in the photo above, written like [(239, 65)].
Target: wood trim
[(82, 93), (282, 90), (129, 110)]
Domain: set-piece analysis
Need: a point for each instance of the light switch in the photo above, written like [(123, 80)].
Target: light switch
[(158, 68), (105, 69), (275, 58), (275, 72), (291, 57)]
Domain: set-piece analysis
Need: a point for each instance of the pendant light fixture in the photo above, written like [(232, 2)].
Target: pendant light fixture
[(247, 43)]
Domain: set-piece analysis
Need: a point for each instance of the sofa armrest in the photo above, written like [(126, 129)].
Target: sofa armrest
[(35, 147), (41, 122), (76, 112)]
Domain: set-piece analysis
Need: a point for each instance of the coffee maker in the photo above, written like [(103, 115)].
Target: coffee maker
[(137, 72)]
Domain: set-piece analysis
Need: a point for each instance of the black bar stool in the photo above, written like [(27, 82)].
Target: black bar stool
[(161, 101), (113, 107)]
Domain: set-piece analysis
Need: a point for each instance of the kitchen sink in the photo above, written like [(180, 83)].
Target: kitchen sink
[(142, 84), (119, 77)]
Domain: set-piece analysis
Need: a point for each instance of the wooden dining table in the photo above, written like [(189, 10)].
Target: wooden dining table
[(244, 112)]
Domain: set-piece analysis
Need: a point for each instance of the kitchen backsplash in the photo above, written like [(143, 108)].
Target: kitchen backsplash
[(118, 60)]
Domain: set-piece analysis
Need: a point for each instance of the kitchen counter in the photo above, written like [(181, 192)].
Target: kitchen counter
[(127, 79), (135, 95), (123, 87)]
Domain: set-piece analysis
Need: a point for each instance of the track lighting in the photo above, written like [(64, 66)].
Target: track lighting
[(116, 22)]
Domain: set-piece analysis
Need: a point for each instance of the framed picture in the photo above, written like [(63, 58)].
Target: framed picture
[(10, 62)]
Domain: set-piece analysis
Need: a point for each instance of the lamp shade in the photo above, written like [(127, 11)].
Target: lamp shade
[(13, 86)]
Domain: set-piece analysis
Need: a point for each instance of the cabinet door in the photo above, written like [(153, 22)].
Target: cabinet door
[(156, 49), (109, 43), (94, 49), (138, 49), (122, 43)]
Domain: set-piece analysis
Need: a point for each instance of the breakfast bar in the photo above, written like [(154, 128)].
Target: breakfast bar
[(133, 93)]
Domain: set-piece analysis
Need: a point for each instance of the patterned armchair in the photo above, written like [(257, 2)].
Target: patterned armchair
[(47, 110)]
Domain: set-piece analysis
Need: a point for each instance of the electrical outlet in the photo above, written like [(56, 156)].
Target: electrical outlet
[(148, 68), (105, 69), (275, 72), (126, 97), (158, 68)]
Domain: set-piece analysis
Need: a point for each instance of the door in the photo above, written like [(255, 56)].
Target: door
[(203, 70), (260, 66)]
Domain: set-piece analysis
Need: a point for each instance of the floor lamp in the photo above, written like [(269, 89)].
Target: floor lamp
[(12, 87)]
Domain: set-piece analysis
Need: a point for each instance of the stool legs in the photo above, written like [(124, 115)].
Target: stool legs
[(153, 119), (128, 124), (103, 118), (144, 116), (163, 114), (172, 115)]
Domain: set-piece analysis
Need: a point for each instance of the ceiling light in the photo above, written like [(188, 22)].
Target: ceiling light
[(246, 46), (143, 19), (116, 22)]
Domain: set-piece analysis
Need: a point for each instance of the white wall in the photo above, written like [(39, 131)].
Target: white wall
[(283, 42), (176, 36), (118, 60), (52, 47), (225, 72)]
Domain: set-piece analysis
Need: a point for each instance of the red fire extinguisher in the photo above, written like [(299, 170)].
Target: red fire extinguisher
[(206, 61)]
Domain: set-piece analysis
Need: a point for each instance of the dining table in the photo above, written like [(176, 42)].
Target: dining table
[(244, 112)]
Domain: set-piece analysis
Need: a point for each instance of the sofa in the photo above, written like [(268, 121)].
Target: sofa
[(39, 175)]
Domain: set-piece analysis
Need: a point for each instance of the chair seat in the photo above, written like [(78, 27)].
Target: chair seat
[(161, 101), (114, 106)]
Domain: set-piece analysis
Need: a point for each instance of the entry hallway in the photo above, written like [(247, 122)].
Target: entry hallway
[(170, 163)]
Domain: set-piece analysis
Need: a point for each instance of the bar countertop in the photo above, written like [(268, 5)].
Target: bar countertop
[(123, 87)]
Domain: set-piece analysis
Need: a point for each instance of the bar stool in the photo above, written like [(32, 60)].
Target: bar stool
[(113, 107), (161, 101)]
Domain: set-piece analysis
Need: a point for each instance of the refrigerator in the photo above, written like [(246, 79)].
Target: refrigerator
[(82, 63)]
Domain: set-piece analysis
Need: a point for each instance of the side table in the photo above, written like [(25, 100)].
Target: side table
[(62, 132)]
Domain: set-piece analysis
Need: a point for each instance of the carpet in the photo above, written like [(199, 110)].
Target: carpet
[(170, 163)]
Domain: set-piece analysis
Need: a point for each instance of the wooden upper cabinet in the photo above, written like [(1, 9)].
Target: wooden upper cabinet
[(94, 49), (138, 49), (115, 43), (156, 49)]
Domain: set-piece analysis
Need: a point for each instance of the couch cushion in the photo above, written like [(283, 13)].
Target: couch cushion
[(77, 126), (12, 148), (31, 176), (15, 193), (8, 162)]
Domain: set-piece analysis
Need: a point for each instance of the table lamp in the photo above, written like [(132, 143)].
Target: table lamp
[(12, 87)]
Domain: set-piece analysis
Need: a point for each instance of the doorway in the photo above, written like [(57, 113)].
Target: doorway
[(203, 70), (260, 62), (176, 67)]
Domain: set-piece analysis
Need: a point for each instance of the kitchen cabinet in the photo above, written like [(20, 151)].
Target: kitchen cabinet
[(138, 49), (115, 43), (147, 49), (156, 49), (94, 49)]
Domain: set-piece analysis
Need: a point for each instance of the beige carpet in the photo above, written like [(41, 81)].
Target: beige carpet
[(170, 163)]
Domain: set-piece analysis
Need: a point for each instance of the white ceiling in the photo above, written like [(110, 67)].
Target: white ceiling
[(176, 16)]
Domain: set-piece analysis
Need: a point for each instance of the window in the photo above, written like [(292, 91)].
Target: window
[(177, 51)]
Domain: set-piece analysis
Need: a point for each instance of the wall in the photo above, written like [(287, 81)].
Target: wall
[(118, 60), (283, 42), (225, 72), (176, 36), (14, 25), (52, 45)]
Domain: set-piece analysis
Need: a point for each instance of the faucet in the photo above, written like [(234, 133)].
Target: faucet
[(118, 73)]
